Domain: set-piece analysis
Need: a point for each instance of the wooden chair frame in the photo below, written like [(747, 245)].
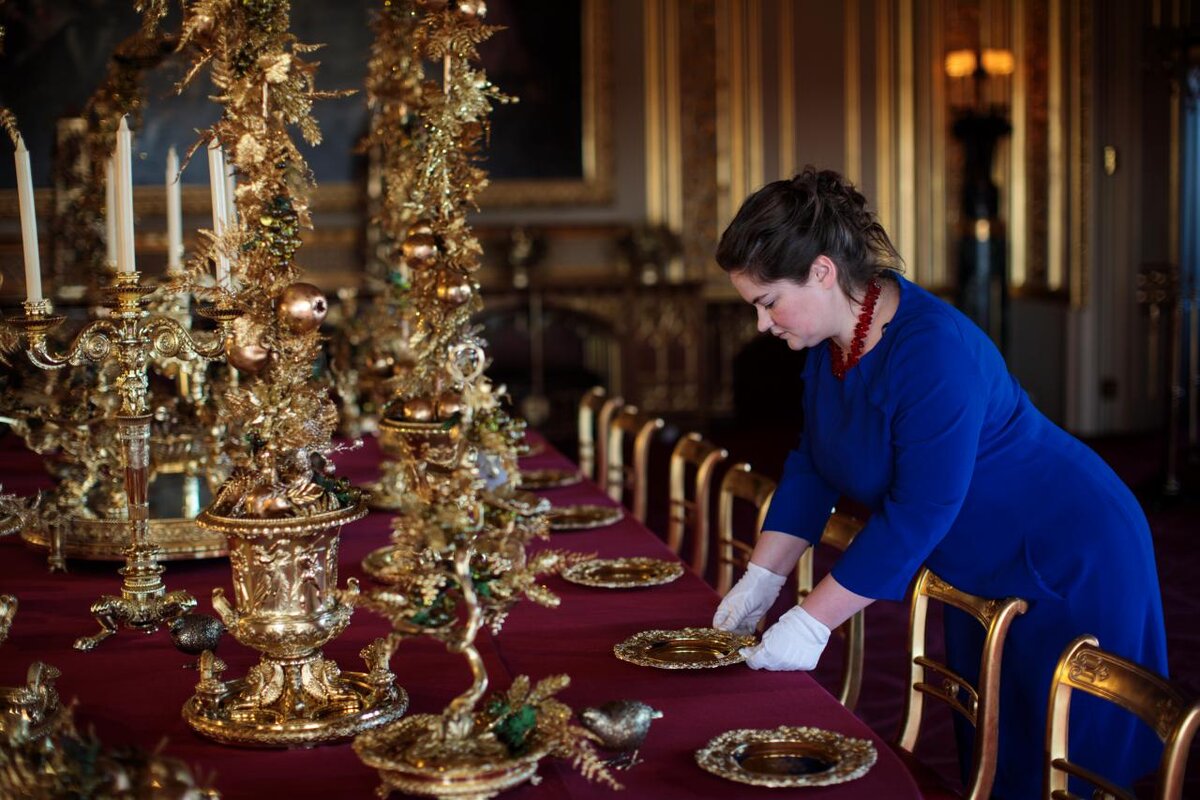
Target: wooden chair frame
[(982, 707), (839, 532), (589, 405), (630, 423), (1155, 700), (741, 482), (692, 512), (603, 421)]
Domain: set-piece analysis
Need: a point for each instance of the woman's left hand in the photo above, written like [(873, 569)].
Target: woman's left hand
[(795, 642)]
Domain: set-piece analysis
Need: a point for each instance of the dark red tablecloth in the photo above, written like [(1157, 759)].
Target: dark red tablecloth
[(131, 688)]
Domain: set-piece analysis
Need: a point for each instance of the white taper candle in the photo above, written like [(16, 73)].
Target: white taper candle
[(230, 194), (29, 237), (216, 184), (124, 176), (110, 213), (174, 213)]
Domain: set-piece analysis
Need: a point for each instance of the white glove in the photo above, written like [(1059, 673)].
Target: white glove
[(796, 641), (750, 598)]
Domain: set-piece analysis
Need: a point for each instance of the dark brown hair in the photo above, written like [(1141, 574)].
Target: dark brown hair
[(781, 229)]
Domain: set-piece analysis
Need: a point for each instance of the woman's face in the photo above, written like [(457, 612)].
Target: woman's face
[(798, 313)]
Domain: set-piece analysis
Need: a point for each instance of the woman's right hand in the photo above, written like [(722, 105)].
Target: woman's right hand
[(749, 599)]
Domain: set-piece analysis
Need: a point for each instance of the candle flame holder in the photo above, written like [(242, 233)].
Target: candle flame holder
[(132, 336)]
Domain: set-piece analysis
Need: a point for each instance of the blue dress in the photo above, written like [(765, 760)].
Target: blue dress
[(961, 473)]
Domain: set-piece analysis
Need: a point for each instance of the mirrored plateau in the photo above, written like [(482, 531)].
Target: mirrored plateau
[(623, 573), (686, 648), (787, 756)]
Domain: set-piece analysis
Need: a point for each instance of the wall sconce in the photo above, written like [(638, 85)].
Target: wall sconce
[(979, 65)]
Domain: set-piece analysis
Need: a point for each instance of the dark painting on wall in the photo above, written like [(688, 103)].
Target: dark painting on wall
[(56, 54)]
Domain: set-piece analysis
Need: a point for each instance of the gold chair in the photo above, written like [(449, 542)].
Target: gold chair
[(589, 406), (839, 532), (979, 705), (1172, 714), (742, 483), (688, 513), (630, 425), (596, 410)]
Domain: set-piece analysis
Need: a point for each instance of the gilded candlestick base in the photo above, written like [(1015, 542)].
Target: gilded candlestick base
[(297, 702), (144, 604), (415, 756)]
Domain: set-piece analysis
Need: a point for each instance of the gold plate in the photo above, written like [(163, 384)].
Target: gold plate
[(686, 648), (548, 478), (786, 757), (623, 573), (583, 517)]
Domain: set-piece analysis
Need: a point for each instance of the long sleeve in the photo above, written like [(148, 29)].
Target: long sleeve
[(939, 401), (803, 499)]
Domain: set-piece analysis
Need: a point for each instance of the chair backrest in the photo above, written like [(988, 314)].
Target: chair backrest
[(1161, 704), (689, 510), (839, 532), (604, 417), (979, 705), (741, 483), (589, 407), (630, 426)]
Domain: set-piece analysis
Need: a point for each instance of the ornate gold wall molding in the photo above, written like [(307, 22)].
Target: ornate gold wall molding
[(853, 167), (664, 184), (739, 104)]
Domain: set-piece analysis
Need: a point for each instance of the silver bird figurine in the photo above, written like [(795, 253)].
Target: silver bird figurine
[(621, 725)]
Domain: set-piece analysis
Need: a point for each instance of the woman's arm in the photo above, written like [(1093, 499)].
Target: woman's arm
[(778, 551), (831, 604)]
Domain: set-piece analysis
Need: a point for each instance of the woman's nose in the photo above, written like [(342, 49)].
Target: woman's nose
[(764, 320)]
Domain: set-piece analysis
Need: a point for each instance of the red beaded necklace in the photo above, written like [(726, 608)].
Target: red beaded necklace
[(842, 363)]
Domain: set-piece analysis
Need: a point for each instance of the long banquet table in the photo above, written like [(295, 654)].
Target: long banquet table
[(130, 689)]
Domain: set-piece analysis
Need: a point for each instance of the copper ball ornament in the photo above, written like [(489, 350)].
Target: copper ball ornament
[(302, 307), (454, 294), (420, 250), (472, 8), (449, 404), (417, 409), (248, 358)]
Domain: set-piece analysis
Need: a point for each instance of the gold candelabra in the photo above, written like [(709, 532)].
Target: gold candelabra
[(132, 336)]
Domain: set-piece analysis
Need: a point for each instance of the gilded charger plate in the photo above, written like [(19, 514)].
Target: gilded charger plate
[(548, 478), (787, 757), (686, 648), (623, 573), (583, 517)]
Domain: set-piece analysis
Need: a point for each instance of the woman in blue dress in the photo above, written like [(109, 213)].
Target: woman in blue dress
[(910, 410)]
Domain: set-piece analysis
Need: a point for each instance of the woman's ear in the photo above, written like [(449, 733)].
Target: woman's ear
[(824, 271)]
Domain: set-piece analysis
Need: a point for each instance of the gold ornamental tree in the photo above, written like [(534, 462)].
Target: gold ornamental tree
[(282, 508), (458, 556)]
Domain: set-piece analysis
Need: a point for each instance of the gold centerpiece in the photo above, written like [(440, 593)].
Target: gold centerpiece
[(282, 508), (288, 607)]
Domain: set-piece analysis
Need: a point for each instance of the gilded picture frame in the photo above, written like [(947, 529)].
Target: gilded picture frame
[(591, 182)]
